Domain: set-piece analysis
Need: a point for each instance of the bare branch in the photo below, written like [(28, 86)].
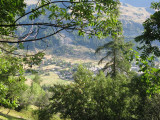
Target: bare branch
[(22, 41), (30, 24)]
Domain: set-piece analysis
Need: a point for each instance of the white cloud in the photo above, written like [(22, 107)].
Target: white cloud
[(29, 2)]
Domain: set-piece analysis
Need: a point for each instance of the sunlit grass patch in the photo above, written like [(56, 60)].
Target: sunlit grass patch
[(7, 114), (52, 79)]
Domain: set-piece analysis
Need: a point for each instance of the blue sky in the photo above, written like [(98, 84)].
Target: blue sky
[(139, 3)]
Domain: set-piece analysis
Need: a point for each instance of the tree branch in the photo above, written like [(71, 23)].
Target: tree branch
[(35, 24), (30, 40), (46, 5)]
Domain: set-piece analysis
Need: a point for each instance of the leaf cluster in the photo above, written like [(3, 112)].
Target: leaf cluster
[(9, 9)]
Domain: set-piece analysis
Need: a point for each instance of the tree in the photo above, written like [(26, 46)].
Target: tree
[(8, 11), (150, 77), (33, 95), (147, 84), (116, 51), (144, 88), (90, 97), (90, 17), (151, 36), (37, 79), (12, 80)]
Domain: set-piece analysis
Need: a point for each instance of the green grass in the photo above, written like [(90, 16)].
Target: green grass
[(23, 115), (14, 115), (52, 79)]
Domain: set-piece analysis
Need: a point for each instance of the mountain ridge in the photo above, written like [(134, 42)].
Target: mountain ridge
[(137, 14)]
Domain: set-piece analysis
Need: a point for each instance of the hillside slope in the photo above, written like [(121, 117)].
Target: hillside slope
[(132, 19)]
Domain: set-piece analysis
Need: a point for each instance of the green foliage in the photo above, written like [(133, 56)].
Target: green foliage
[(145, 87), (12, 80), (91, 97), (79, 15), (151, 34), (25, 99), (145, 96), (117, 52), (37, 94), (8, 11), (36, 89), (90, 17), (151, 108), (37, 79), (150, 75), (147, 84), (33, 95), (34, 59)]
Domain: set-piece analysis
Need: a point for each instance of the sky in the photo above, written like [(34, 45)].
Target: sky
[(31, 1), (139, 3)]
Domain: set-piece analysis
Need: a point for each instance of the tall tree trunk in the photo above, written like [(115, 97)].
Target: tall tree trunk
[(114, 63)]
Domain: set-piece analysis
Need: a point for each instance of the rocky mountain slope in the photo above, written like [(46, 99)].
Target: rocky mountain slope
[(136, 14), (132, 18)]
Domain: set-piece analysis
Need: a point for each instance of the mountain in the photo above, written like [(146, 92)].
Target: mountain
[(132, 18), (136, 14)]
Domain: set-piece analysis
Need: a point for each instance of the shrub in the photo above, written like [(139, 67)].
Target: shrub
[(91, 97)]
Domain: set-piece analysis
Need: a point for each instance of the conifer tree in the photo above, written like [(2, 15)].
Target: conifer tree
[(116, 55), (116, 52)]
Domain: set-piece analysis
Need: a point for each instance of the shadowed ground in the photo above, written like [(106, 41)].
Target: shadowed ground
[(9, 117)]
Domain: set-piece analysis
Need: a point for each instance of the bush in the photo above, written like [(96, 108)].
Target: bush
[(144, 106), (91, 98)]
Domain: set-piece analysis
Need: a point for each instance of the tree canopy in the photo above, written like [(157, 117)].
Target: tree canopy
[(116, 56), (9, 9), (12, 80), (92, 17), (151, 36)]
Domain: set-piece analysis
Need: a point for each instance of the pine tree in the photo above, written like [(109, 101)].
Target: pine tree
[(116, 51)]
